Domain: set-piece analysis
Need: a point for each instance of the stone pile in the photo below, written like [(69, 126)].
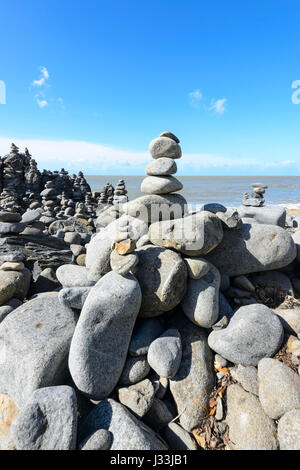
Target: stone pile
[(257, 196), (120, 193), (154, 335)]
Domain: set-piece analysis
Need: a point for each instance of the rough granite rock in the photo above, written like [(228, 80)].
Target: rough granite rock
[(138, 397), (34, 346), (201, 301), (165, 353), (135, 370), (289, 430), (254, 332), (101, 339), (48, 421), (253, 248), (249, 427), (128, 432), (8, 412), (162, 275), (279, 388), (145, 331), (193, 235), (70, 275), (100, 440), (194, 380)]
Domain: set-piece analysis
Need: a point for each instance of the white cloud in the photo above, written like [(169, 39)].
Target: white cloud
[(42, 81), (42, 103), (218, 106), (95, 158), (195, 98)]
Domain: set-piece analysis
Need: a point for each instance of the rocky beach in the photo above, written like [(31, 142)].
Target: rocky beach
[(144, 324)]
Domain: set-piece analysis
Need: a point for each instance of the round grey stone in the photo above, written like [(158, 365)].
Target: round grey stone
[(160, 185), (100, 440), (135, 370), (165, 147), (165, 353), (161, 167)]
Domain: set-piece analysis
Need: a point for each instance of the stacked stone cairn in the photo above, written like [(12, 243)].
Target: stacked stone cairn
[(257, 196), (142, 340), (120, 193)]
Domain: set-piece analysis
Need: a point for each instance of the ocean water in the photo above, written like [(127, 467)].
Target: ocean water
[(227, 190)]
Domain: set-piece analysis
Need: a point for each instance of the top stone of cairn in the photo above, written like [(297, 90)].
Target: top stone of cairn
[(166, 145)]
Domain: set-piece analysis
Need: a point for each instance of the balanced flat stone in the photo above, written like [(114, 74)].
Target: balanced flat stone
[(34, 346), (48, 421), (101, 339), (128, 432), (165, 147), (253, 248), (193, 235), (160, 185), (70, 275), (161, 167), (154, 207), (254, 332)]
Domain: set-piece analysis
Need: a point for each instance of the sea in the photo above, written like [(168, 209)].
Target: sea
[(226, 190)]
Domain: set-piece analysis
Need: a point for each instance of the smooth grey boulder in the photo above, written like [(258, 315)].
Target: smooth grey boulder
[(201, 301), (48, 421), (193, 235), (11, 227), (253, 248), (10, 216), (271, 215), (160, 185), (193, 383), (228, 216), (101, 339), (162, 166), (154, 207), (34, 346), (74, 297), (177, 438), (123, 264), (31, 216), (247, 376), (100, 440), (165, 147), (162, 275), (133, 227), (279, 388), (97, 259), (72, 238), (14, 284), (71, 275), (296, 238), (138, 397), (4, 311), (146, 330), (290, 319), (254, 332), (128, 432), (135, 370), (165, 353), (289, 430), (249, 427), (197, 267)]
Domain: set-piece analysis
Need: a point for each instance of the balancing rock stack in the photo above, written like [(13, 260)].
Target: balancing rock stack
[(160, 187), (257, 198), (120, 193)]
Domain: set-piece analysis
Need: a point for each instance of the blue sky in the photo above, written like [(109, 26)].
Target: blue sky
[(90, 83)]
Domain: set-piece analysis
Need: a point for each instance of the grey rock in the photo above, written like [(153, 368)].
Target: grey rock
[(177, 438), (48, 421), (201, 301), (279, 388), (193, 235), (34, 346), (123, 264), (165, 353), (160, 185), (135, 370), (296, 238), (289, 430), (248, 378), (154, 207), (253, 248), (74, 297), (11, 227), (73, 238), (162, 275), (197, 267), (221, 360), (14, 284), (128, 432), (160, 384), (159, 415), (243, 282), (31, 216), (290, 319), (219, 409), (229, 217), (138, 397), (165, 147), (271, 215), (162, 166), (10, 216), (194, 380), (144, 240), (170, 135), (4, 311), (97, 258), (254, 332), (225, 308), (275, 280), (144, 333), (70, 275), (249, 427), (101, 339), (225, 282), (100, 440)]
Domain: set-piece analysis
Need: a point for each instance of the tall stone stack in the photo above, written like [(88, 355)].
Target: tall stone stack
[(257, 196), (161, 200), (120, 193)]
